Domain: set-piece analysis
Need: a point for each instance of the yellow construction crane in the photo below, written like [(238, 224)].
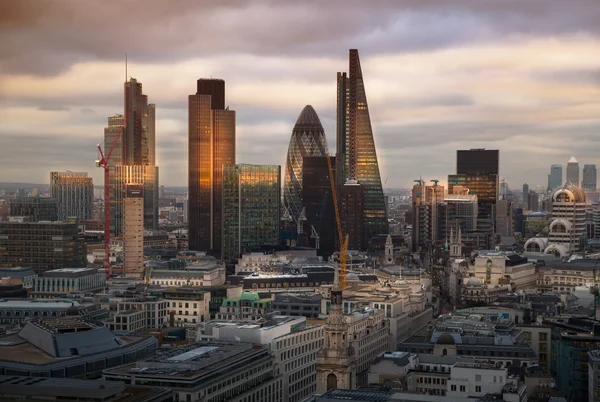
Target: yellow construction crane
[(342, 239)]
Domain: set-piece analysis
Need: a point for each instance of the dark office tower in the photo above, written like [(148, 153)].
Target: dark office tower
[(211, 145), (589, 178), (74, 194), (36, 208), (477, 170), (318, 200), (356, 155), (352, 214), (251, 208), (308, 139), (555, 178), (525, 195)]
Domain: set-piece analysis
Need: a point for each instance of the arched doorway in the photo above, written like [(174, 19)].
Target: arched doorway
[(331, 381)]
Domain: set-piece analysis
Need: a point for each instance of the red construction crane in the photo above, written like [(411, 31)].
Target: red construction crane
[(103, 163)]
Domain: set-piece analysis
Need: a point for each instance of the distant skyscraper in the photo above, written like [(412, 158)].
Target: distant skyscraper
[(211, 146), (589, 178), (74, 194), (504, 218), (318, 200), (308, 139), (573, 171), (251, 208), (134, 157), (356, 154), (133, 230), (555, 178), (525, 195)]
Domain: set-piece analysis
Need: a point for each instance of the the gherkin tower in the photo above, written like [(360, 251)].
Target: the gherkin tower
[(308, 139)]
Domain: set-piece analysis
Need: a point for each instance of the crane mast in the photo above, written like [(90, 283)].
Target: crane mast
[(342, 240), (103, 163)]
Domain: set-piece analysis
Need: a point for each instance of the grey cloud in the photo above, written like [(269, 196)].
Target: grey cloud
[(443, 100), (87, 110), (53, 108), (576, 76), (59, 34)]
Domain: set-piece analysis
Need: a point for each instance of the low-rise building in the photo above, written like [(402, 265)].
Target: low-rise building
[(205, 272), (18, 276), (17, 312), (208, 371), (298, 304), (293, 344), (189, 305), (64, 281), (69, 347), (250, 306), (139, 314)]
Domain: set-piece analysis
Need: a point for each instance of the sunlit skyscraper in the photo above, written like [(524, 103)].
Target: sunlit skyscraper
[(74, 194), (134, 156), (357, 157), (308, 139), (211, 146), (573, 171)]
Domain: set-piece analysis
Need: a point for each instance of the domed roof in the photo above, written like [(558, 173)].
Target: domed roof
[(473, 282), (445, 339), (574, 193), (308, 116)]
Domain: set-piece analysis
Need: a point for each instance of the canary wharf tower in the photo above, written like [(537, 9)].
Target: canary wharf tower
[(308, 139), (356, 155)]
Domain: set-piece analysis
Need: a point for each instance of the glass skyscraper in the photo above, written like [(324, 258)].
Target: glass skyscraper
[(134, 157), (211, 146), (356, 154), (251, 208), (555, 178), (589, 178), (308, 140)]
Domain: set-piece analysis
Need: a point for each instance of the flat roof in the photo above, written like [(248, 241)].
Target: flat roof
[(37, 303)]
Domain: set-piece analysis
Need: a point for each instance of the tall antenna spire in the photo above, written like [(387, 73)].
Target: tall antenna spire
[(125, 67)]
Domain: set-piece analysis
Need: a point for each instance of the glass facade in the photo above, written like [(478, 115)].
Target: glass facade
[(308, 139), (357, 156), (74, 194), (42, 246), (251, 208), (555, 177), (37, 208), (120, 177), (211, 146)]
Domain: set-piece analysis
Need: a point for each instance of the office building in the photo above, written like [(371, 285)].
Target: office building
[(249, 306), (65, 281), (133, 231), (115, 125), (134, 157), (525, 195), (19, 312), (294, 345), (504, 218), (426, 200), (567, 230), (211, 146), (573, 172), (208, 371), (139, 314), (74, 194), (61, 389), (533, 201), (42, 246), (24, 276), (594, 376), (555, 178), (251, 208), (69, 347), (356, 157), (188, 305), (36, 208), (204, 273), (589, 182), (298, 304), (477, 170), (571, 340), (317, 200), (308, 139), (458, 212)]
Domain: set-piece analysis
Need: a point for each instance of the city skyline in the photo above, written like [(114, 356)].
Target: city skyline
[(430, 93)]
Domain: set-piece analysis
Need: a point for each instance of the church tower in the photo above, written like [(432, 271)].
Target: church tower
[(455, 243), (389, 251), (336, 367)]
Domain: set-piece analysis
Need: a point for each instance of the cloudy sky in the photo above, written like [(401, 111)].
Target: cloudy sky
[(519, 76)]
